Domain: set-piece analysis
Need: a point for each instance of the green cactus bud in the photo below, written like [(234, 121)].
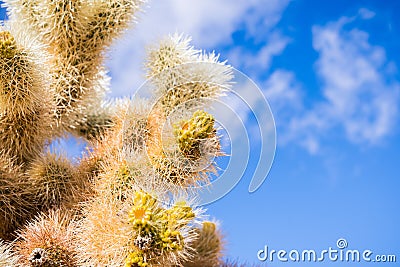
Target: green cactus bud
[(158, 230), (8, 46), (190, 133)]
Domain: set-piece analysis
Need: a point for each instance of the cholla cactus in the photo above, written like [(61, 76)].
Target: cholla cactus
[(7, 257), (126, 201), (139, 231), (24, 103), (48, 241), (55, 182), (208, 246), (14, 193)]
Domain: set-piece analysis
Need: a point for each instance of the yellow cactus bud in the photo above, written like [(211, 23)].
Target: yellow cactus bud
[(190, 133), (8, 45)]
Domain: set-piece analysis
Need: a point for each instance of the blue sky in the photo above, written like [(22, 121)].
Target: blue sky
[(329, 70)]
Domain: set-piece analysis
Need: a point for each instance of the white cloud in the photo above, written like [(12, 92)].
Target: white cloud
[(258, 62), (283, 91), (366, 13), (355, 85), (262, 16), (358, 94), (286, 97)]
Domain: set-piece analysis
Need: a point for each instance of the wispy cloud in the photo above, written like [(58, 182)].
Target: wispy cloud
[(366, 13), (259, 61), (284, 92), (358, 91), (293, 122), (359, 96)]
